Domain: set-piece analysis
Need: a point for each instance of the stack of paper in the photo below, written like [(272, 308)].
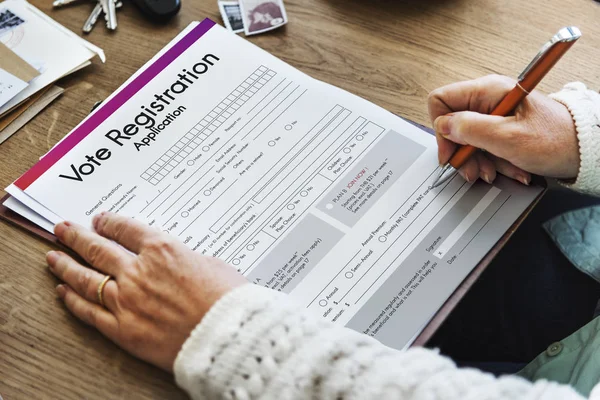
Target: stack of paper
[(303, 187), (35, 51)]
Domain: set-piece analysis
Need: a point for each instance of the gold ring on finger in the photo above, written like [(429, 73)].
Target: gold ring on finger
[(101, 289)]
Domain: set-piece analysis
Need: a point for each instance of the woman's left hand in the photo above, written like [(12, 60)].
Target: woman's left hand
[(160, 290)]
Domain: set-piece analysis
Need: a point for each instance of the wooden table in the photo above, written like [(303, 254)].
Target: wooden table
[(389, 52)]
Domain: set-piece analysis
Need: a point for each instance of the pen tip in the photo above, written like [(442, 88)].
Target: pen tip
[(436, 181), (446, 172)]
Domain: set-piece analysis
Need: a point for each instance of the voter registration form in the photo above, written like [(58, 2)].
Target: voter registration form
[(301, 186)]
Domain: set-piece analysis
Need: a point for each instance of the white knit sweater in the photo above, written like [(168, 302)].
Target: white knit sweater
[(256, 343)]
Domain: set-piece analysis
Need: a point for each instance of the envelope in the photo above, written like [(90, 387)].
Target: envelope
[(15, 65)]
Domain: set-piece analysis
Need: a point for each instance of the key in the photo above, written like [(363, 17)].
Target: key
[(93, 18), (110, 13), (61, 3)]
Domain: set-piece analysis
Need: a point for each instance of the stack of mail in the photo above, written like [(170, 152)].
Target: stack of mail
[(35, 51)]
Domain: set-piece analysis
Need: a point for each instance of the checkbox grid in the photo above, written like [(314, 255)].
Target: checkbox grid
[(207, 125)]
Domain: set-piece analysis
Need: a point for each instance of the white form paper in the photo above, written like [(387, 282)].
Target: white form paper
[(43, 41), (20, 208), (303, 187), (10, 86)]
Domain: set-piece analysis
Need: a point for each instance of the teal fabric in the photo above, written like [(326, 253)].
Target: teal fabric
[(577, 234), (573, 361), (576, 359)]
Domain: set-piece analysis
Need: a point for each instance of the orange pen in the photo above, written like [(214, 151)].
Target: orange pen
[(543, 62)]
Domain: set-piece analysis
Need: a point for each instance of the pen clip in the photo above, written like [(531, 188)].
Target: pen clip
[(567, 34)]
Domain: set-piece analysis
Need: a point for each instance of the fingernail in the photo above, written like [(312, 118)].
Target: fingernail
[(95, 220), (486, 178), (523, 179), (51, 258), (61, 290), (61, 228), (442, 124), (467, 178)]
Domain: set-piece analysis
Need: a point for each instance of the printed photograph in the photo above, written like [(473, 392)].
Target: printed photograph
[(8, 21), (234, 16)]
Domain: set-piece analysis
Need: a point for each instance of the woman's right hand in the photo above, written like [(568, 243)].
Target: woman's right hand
[(539, 138)]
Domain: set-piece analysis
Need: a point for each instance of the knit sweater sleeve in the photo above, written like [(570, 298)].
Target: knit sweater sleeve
[(584, 106), (256, 343)]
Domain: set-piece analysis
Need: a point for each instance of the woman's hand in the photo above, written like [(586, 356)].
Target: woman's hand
[(539, 138), (160, 291)]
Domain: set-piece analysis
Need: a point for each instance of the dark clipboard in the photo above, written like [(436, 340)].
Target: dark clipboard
[(462, 289), (439, 317), (452, 301)]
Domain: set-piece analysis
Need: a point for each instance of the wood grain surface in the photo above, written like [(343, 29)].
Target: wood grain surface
[(389, 52)]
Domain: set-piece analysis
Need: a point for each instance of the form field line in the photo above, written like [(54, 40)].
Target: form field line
[(466, 223)]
